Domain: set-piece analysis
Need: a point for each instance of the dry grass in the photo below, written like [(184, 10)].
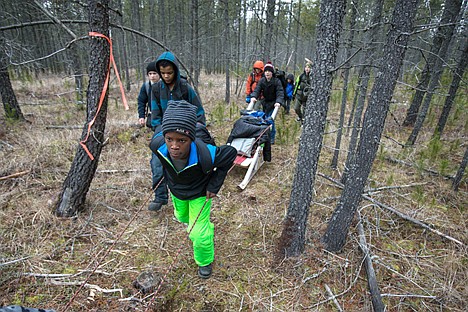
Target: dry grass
[(416, 269)]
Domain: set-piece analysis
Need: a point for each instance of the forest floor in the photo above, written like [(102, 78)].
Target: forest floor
[(45, 259)]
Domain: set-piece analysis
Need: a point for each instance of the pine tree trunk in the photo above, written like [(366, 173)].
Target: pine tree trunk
[(344, 96), (293, 235), (364, 79), (72, 197), (374, 121), (442, 35), (457, 76), (458, 177), (10, 103)]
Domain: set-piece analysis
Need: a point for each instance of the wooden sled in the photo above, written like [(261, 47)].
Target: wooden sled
[(245, 158)]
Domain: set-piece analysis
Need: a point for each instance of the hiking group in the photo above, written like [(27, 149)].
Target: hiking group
[(184, 157)]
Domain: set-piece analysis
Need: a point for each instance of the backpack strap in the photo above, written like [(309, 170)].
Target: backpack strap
[(204, 156)]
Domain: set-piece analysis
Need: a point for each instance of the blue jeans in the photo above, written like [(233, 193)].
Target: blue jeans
[(160, 194)]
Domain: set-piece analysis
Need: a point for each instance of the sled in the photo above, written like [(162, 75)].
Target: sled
[(249, 154)]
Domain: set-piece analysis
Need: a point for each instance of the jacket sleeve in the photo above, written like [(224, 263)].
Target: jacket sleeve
[(279, 92), (258, 89), (224, 158), (195, 100), (248, 85), (142, 101)]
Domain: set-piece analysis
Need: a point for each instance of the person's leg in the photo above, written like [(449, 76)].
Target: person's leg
[(160, 194), (258, 105), (298, 110), (181, 209), (202, 234), (273, 128), (288, 106)]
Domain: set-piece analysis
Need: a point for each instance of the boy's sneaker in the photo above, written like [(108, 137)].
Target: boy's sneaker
[(155, 206), (205, 271)]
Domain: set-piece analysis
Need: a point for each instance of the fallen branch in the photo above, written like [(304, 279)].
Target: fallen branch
[(371, 278), (15, 175), (398, 213), (64, 127), (332, 295), (90, 286)]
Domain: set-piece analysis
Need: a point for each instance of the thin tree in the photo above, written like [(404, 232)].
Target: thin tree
[(292, 238), (267, 39), (344, 96), (453, 9), (374, 121), (227, 51), (441, 38), (458, 177), (71, 199), (364, 78), (457, 76), (10, 103)]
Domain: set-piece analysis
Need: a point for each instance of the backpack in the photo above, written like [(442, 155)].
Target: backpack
[(281, 75), (206, 162), (148, 106)]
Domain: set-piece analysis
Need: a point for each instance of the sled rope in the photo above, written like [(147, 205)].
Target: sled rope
[(103, 92), (169, 269), (110, 248)]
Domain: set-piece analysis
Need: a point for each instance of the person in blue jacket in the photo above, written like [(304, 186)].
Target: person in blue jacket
[(171, 87), (195, 172)]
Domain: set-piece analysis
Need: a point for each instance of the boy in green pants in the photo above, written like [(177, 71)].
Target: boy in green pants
[(194, 172)]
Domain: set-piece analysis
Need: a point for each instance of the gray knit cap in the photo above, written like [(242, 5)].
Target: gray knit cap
[(181, 117)]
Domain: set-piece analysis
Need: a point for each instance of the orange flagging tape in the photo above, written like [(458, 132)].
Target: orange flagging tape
[(103, 93)]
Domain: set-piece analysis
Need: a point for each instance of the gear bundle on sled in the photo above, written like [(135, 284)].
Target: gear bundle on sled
[(250, 136)]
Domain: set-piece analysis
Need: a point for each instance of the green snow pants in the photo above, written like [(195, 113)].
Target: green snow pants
[(202, 235)]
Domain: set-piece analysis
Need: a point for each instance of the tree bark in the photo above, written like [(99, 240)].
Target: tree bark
[(76, 185), (292, 239), (10, 103), (452, 9), (364, 78), (441, 37), (374, 121), (344, 96), (458, 177), (457, 77)]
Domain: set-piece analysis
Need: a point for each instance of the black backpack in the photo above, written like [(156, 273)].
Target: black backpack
[(148, 106), (281, 75)]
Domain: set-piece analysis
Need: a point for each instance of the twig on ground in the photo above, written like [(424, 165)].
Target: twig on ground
[(15, 175), (332, 296)]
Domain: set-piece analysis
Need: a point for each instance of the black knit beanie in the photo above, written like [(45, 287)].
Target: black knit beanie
[(269, 67), (151, 67), (181, 117)]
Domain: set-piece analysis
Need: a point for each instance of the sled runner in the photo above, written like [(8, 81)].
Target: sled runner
[(251, 138)]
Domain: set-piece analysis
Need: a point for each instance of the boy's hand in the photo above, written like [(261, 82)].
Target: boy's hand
[(142, 121), (210, 195)]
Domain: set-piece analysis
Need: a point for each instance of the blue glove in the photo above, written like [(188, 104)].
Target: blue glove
[(247, 99)]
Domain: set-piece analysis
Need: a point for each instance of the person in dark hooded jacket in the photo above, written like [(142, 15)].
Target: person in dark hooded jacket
[(273, 94), (171, 87)]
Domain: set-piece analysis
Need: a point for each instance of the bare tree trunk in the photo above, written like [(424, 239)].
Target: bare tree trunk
[(374, 121), (10, 103), (364, 78), (298, 27), (227, 51), (457, 76), (75, 187), (458, 177), (267, 38), (441, 38), (292, 238), (344, 97)]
